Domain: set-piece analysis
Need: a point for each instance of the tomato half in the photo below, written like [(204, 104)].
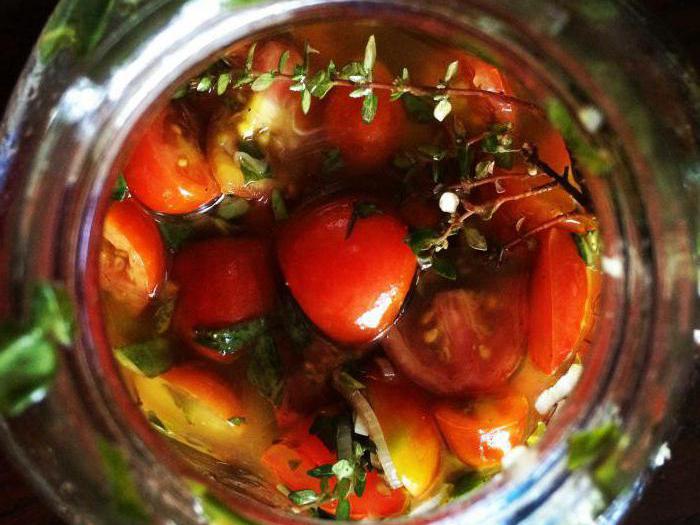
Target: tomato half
[(351, 283), (221, 282), (167, 171), (297, 452), (558, 293), (132, 257), (481, 432), (410, 432), (464, 340), (207, 387), (363, 146)]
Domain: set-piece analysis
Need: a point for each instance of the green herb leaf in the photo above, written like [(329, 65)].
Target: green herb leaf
[(343, 469), (181, 92), (322, 471), (295, 323), (370, 55), (125, 498), (263, 82), (484, 169), (442, 109), (369, 108), (589, 247), (342, 511), (303, 497), (253, 169), (320, 84), (250, 57), (52, 312), (150, 358), (279, 208), (421, 240), (306, 101), (237, 421), (535, 437), (469, 482), (284, 57), (354, 72), (223, 82), (231, 339), (360, 92), (589, 446), (215, 512), (418, 109), (432, 152), (205, 84), (360, 481), (444, 268), (175, 233), (451, 71), (475, 239), (232, 207), (265, 369), (121, 190)]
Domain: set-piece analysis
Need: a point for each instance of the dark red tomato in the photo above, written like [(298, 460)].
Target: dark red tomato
[(297, 452), (464, 340), (267, 57), (221, 282), (420, 212), (350, 283), (364, 147), (167, 171), (132, 257), (558, 293)]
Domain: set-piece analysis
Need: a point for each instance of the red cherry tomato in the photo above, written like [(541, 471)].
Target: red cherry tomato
[(132, 258), (364, 147), (483, 431), (207, 387), (167, 171), (267, 57), (298, 452), (464, 340), (558, 293), (221, 282), (351, 284)]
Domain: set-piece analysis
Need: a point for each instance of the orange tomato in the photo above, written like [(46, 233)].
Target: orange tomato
[(481, 432), (558, 293), (132, 258), (207, 387), (410, 432), (167, 171)]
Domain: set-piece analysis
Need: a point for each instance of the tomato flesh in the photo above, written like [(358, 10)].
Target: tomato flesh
[(167, 172), (239, 287), (558, 293), (132, 258), (351, 285), (480, 433)]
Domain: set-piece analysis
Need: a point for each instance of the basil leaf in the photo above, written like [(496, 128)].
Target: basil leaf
[(231, 339), (303, 497), (253, 169), (150, 358), (125, 498), (265, 369), (588, 446), (369, 108)]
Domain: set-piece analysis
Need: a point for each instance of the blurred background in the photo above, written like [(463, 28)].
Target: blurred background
[(673, 495)]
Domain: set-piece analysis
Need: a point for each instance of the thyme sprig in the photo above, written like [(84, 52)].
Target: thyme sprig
[(356, 75)]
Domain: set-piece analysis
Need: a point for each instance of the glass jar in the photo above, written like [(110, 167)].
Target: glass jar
[(626, 105)]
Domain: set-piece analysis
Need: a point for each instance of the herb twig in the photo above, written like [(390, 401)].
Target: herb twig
[(559, 219)]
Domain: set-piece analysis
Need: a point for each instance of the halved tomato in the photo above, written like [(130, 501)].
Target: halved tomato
[(132, 257), (465, 340), (167, 171), (558, 293), (481, 432), (347, 265), (221, 282)]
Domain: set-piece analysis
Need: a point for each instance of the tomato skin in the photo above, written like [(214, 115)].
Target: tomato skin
[(221, 282), (303, 451), (207, 387), (481, 433), (413, 439), (364, 147), (558, 294), (464, 340), (167, 172), (132, 259), (267, 57), (352, 287)]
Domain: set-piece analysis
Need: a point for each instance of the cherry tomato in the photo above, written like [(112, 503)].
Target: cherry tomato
[(132, 258), (267, 57), (420, 212), (558, 292), (207, 387), (364, 147), (410, 432), (167, 172), (464, 340), (298, 452), (221, 282), (351, 282), (481, 432)]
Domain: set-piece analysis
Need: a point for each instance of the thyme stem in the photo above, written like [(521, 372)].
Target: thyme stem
[(559, 219)]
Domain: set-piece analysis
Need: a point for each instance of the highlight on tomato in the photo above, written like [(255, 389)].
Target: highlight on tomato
[(132, 256), (479, 433), (166, 170), (347, 265)]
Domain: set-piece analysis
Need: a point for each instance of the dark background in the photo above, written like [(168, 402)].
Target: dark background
[(672, 497)]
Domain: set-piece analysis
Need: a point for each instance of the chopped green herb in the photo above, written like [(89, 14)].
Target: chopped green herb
[(279, 208), (150, 358), (253, 169), (231, 339), (121, 190), (303, 497), (265, 369)]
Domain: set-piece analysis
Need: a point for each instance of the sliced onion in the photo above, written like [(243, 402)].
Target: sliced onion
[(363, 410)]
